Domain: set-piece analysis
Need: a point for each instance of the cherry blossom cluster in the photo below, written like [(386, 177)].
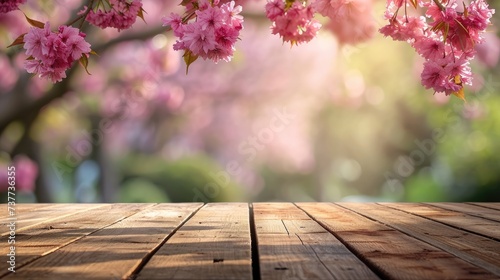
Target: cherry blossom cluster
[(294, 23), (445, 38), (350, 20), (10, 5), (209, 29), (119, 14), (294, 20), (50, 54)]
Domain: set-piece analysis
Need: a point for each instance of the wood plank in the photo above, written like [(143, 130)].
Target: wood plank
[(469, 209), (392, 253), (457, 219), (45, 238), (293, 246), (112, 252), (491, 205), (214, 244), (475, 249), (45, 214), (22, 208)]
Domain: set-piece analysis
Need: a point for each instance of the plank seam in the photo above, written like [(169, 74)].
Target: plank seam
[(379, 272), (73, 240), (450, 225), (446, 247), (254, 244), (466, 213), (316, 254), (481, 205), (134, 271), (54, 218)]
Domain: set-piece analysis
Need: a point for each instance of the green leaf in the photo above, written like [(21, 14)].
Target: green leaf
[(34, 23), (93, 52), (18, 41), (189, 58), (185, 2), (84, 61)]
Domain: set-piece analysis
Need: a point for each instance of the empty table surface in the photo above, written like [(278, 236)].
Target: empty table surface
[(252, 241)]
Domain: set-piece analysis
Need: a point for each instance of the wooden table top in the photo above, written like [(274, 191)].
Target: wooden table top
[(253, 241)]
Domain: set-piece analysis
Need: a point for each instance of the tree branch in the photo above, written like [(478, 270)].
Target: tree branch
[(15, 109)]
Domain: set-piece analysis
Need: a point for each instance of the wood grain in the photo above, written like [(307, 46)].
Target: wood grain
[(457, 219), (490, 205), (214, 244), (394, 254), (264, 241), (475, 249), (293, 246), (47, 237), (33, 217), (470, 209), (112, 252)]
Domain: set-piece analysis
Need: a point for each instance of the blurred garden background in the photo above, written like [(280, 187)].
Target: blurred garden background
[(321, 121)]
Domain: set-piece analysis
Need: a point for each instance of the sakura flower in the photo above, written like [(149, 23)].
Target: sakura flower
[(446, 39), (35, 40), (433, 76), (199, 41), (120, 15), (430, 48), (211, 34), (10, 5), (210, 18), (351, 20), (297, 24), (51, 54), (275, 8)]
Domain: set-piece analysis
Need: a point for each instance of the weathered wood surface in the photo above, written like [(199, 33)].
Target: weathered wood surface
[(255, 241)]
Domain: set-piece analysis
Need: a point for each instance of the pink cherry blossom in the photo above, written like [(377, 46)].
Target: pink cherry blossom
[(121, 14), (446, 39), (212, 32), (10, 5), (297, 24), (51, 54), (351, 20), (275, 8), (430, 48)]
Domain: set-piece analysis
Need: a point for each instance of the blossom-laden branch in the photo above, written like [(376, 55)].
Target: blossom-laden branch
[(51, 53), (445, 38)]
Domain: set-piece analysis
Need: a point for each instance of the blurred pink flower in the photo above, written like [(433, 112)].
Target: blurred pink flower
[(489, 51), (10, 5), (25, 174), (351, 21)]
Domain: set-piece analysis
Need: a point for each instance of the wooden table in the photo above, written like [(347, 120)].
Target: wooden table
[(259, 241)]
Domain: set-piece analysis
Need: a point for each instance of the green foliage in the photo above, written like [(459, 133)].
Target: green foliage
[(141, 190), (184, 180)]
